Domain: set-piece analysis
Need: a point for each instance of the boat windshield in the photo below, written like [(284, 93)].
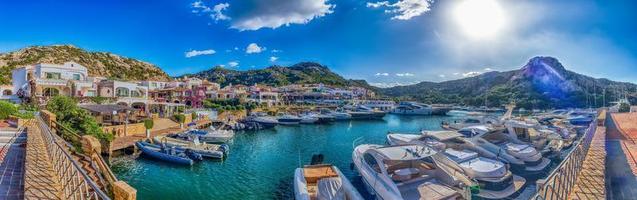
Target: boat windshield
[(408, 171)]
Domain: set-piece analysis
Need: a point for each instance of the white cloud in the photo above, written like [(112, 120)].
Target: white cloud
[(221, 65), (194, 53), (275, 51), (276, 13), (381, 74), (456, 74), (404, 9), (218, 11), (254, 48), (471, 74), (233, 63), (404, 74), (273, 59), (488, 69), (390, 84), (198, 7), (442, 76), (377, 4)]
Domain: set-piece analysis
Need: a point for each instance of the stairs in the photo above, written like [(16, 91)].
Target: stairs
[(11, 137), (12, 155)]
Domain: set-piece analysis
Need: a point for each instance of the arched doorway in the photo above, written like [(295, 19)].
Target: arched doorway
[(7, 92), (122, 103), (50, 92)]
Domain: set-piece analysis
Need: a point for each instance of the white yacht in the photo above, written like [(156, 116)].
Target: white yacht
[(412, 108), (324, 182), (308, 118), (548, 141), (408, 172), (339, 116), (472, 120), (288, 119), (212, 135), (492, 175), (500, 143)]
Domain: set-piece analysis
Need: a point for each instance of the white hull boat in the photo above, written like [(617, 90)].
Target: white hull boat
[(323, 181)]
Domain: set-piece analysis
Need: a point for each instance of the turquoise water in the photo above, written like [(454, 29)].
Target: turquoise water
[(261, 164)]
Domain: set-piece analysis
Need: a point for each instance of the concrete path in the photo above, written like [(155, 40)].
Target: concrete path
[(621, 183), (12, 154)]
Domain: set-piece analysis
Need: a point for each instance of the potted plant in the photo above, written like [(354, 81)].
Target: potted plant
[(148, 124)]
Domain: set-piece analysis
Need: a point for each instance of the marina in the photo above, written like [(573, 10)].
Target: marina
[(261, 164)]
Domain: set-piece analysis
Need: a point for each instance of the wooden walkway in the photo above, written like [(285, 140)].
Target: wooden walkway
[(591, 182), (129, 141), (40, 180)]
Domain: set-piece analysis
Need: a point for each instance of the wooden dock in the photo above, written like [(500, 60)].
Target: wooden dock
[(125, 142)]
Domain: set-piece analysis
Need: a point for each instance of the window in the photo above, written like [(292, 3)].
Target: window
[(122, 92), (51, 75), (90, 93), (135, 93), (6, 92), (76, 77), (49, 92), (371, 162)]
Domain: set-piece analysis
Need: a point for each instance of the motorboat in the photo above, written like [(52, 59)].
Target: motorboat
[(549, 141), (323, 118), (407, 172), (412, 108), (471, 120), (363, 112), (308, 118), (288, 119), (211, 135), (496, 181), (263, 120), (338, 116), (168, 154), (497, 141), (322, 181), (215, 151)]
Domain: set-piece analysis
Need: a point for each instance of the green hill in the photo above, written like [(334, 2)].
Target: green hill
[(98, 63)]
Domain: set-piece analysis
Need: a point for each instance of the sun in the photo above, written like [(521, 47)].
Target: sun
[(479, 18)]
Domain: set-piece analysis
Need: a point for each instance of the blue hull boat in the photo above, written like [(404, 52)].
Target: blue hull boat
[(168, 154)]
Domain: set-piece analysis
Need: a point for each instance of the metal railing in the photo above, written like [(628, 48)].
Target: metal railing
[(76, 184), (561, 180)]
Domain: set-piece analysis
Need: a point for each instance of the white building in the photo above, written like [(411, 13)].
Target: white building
[(7, 94), (127, 93), (70, 79)]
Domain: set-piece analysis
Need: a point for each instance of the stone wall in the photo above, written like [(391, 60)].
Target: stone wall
[(125, 130), (48, 117)]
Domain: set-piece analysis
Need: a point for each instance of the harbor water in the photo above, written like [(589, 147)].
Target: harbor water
[(261, 163)]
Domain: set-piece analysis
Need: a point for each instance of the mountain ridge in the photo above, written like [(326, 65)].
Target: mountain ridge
[(300, 73), (543, 82)]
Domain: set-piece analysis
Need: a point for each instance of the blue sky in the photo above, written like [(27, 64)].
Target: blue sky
[(384, 42)]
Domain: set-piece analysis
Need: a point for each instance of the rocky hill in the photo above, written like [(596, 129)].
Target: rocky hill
[(98, 63), (542, 83), (305, 72)]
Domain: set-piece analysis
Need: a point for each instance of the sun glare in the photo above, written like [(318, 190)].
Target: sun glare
[(479, 18)]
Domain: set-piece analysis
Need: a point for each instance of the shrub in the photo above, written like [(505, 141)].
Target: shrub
[(148, 124), (193, 116), (6, 109), (98, 100), (75, 118), (624, 107), (180, 118)]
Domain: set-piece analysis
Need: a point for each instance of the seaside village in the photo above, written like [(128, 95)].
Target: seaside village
[(62, 118)]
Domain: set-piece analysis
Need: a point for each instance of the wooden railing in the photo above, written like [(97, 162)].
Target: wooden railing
[(76, 183), (561, 180)]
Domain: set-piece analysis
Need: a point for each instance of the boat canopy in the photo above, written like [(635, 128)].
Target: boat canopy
[(405, 152)]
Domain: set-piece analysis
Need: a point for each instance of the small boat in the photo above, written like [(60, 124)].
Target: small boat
[(206, 150), (323, 181), (168, 154), (412, 108), (288, 119), (212, 135)]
